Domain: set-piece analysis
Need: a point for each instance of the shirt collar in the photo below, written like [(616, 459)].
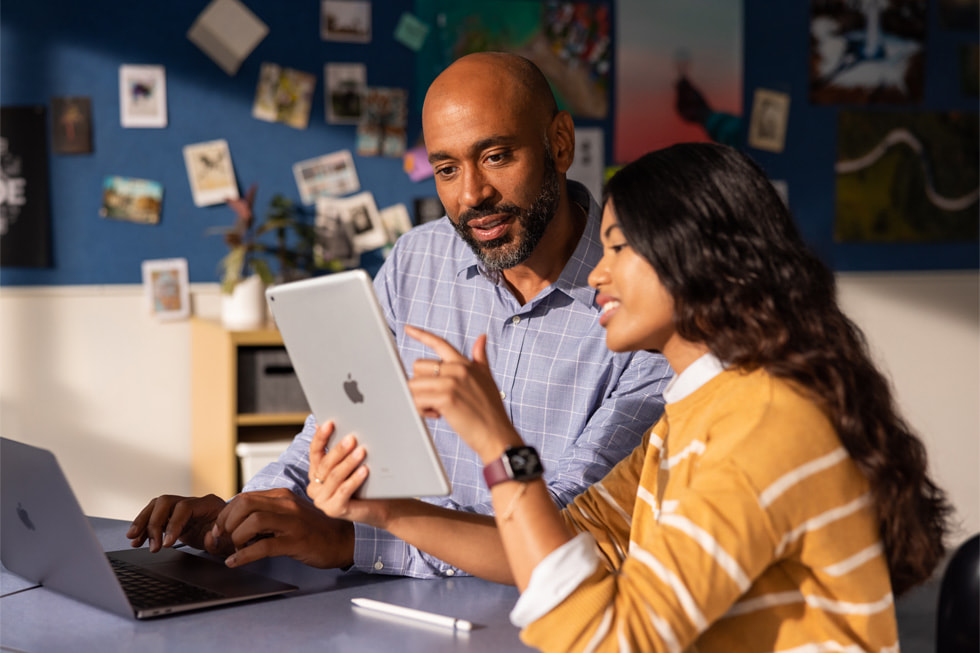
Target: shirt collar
[(574, 278), (696, 375)]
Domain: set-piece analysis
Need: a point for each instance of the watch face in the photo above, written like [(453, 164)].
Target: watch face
[(524, 462)]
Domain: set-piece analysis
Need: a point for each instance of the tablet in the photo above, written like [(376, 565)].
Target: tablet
[(345, 358)]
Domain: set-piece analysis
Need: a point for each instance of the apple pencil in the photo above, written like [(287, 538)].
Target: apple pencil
[(418, 615)]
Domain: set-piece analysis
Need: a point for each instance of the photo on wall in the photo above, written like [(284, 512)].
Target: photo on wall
[(905, 177), (133, 200), (142, 96), (167, 289), (210, 172), (345, 85), (71, 125), (284, 95), (345, 20), (330, 175)]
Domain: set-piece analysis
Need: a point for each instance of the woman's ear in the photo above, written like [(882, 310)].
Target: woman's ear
[(561, 135)]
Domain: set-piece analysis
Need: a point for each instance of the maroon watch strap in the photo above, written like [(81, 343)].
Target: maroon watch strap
[(496, 472)]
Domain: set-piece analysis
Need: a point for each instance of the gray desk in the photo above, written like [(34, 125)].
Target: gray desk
[(318, 617)]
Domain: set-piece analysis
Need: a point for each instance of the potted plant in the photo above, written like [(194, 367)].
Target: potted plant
[(245, 269)]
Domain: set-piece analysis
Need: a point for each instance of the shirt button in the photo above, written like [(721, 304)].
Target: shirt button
[(379, 565), (516, 319), (450, 572), (503, 395)]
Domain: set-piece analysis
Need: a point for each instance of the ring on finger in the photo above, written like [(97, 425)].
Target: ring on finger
[(318, 480), (435, 370)]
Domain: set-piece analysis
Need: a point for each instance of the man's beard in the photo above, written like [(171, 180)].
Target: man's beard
[(505, 252)]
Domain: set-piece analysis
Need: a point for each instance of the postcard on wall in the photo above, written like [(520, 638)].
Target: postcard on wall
[(428, 209), (25, 219), (411, 32), (284, 95), (416, 165), (135, 200), (167, 289), (361, 213), (71, 125), (330, 175), (142, 96), (345, 84), (381, 131), (334, 244), (210, 172), (396, 220), (227, 32), (345, 20), (770, 114)]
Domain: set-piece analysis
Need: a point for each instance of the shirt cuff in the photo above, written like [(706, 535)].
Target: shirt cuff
[(555, 578)]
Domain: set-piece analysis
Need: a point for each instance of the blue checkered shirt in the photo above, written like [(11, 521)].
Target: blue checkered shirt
[(582, 406)]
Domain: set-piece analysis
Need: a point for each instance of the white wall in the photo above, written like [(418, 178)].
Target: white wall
[(86, 372)]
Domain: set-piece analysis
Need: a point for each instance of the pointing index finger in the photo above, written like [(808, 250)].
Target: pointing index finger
[(443, 349)]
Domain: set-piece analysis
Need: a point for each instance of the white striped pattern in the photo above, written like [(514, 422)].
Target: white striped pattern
[(767, 601), (669, 506), (684, 597), (845, 607), (711, 547), (764, 602), (601, 490), (601, 631), (822, 520), (849, 564), (695, 447), (667, 635), (793, 477), (823, 647), (600, 528)]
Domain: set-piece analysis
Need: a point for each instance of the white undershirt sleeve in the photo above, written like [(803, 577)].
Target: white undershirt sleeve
[(555, 578)]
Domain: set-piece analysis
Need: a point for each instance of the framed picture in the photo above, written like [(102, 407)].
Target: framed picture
[(345, 20), (361, 213), (770, 113), (135, 200), (210, 172), (284, 95), (167, 289), (345, 84), (71, 125), (142, 96), (330, 175)]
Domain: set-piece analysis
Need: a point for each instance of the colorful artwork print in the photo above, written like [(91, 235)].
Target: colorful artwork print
[(135, 200), (284, 95), (867, 52), (890, 186)]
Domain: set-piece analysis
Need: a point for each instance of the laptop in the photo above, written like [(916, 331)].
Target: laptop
[(345, 358), (46, 538)]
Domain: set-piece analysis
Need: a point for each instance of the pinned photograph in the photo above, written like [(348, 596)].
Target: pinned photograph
[(210, 172), (428, 209), (334, 245), (167, 289), (361, 213), (381, 131), (142, 96), (770, 113), (344, 92), (345, 20), (330, 175), (71, 125), (284, 95), (134, 200), (396, 221)]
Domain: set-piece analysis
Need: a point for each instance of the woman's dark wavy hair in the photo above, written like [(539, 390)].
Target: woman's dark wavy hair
[(744, 283)]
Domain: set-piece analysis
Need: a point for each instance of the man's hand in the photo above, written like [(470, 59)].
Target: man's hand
[(277, 522), (169, 518)]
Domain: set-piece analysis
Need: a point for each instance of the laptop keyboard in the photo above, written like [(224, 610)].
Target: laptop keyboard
[(148, 591)]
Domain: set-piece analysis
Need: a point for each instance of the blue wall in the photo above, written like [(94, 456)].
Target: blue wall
[(54, 48)]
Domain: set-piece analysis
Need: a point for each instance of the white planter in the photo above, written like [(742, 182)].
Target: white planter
[(244, 308)]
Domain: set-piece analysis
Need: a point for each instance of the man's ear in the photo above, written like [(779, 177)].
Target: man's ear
[(561, 135)]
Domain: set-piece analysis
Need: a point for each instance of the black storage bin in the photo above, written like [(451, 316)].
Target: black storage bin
[(267, 382)]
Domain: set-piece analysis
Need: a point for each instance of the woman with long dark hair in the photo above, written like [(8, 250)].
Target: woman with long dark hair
[(780, 503)]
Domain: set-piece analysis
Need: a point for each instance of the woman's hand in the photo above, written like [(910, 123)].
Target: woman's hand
[(336, 474), (464, 392)]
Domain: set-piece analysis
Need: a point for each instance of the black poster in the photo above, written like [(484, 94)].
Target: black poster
[(25, 223)]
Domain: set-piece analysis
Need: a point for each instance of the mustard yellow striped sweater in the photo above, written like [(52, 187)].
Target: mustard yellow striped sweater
[(740, 524)]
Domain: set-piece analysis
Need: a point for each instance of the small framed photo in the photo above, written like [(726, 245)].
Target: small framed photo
[(330, 175), (71, 125), (210, 172), (770, 113), (142, 96), (167, 288), (345, 84), (345, 20)]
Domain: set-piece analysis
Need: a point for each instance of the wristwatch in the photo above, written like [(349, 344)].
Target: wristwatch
[(516, 464)]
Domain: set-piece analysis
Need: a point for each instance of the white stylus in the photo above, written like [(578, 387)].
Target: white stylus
[(418, 615)]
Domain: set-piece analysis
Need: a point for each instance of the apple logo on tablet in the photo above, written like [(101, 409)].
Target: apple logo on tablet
[(350, 387), (24, 517)]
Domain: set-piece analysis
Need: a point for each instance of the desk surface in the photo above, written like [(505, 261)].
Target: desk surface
[(317, 617)]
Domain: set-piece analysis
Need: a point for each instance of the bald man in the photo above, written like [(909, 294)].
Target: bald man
[(511, 259)]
